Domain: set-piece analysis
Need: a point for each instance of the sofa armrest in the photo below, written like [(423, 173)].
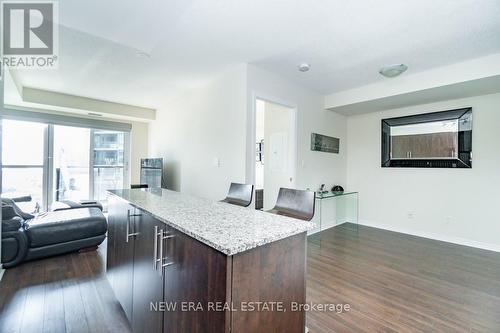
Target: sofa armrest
[(12, 224), (8, 212), (14, 248), (18, 211)]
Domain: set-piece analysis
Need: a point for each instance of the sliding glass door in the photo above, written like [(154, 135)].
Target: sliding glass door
[(71, 168), (55, 162), (108, 162), (24, 162)]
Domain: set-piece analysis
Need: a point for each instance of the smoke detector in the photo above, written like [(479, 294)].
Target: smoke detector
[(304, 67), (393, 70), (142, 54)]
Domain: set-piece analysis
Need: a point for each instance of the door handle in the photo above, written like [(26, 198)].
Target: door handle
[(163, 260), (167, 263), (155, 246), (128, 225), (156, 258)]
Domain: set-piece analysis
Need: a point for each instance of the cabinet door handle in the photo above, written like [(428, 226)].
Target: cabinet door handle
[(163, 260), (155, 255), (160, 235), (128, 225), (157, 259), (167, 263)]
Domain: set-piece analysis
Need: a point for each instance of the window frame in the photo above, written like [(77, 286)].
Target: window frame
[(48, 147)]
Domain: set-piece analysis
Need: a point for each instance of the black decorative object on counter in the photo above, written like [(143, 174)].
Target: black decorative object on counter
[(322, 190), (337, 189)]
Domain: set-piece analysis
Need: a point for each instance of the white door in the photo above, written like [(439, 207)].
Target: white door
[(279, 151)]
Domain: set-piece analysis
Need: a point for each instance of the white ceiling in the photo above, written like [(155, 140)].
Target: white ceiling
[(189, 41)]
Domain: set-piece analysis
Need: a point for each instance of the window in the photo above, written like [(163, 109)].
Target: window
[(71, 163), (23, 162), (109, 164), (56, 162)]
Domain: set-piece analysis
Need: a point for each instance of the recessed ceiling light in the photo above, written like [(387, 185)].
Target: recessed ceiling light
[(393, 70), (304, 67)]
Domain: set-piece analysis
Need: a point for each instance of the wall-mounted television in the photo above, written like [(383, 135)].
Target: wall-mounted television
[(430, 140)]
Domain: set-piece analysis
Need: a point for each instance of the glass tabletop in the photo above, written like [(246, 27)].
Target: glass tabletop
[(330, 194)]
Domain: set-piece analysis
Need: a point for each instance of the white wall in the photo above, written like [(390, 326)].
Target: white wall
[(139, 143), (313, 168), (199, 127), (259, 136), (454, 205), (216, 122)]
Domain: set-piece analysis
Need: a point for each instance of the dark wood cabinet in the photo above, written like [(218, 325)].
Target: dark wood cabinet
[(273, 272), (121, 252), (110, 242), (195, 288), (195, 279), (148, 279)]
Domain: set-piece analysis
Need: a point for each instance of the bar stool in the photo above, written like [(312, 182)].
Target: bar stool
[(239, 194), (136, 186), (298, 204)]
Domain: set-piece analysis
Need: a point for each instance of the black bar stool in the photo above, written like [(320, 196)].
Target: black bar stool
[(298, 204), (134, 186), (239, 194)]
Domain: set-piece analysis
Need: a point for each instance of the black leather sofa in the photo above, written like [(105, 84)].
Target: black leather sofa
[(28, 237)]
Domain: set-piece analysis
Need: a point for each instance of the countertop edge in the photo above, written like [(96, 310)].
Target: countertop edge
[(228, 252)]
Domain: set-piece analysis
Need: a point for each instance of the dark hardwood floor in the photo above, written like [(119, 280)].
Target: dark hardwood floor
[(68, 293), (392, 282), (400, 283)]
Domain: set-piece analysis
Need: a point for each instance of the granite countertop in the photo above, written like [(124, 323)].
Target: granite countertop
[(227, 228)]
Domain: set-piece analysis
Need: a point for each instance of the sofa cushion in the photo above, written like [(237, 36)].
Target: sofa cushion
[(65, 225)]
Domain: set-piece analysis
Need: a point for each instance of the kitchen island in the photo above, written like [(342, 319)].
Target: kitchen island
[(178, 263)]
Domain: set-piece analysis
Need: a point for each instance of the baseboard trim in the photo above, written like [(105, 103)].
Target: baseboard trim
[(454, 240)]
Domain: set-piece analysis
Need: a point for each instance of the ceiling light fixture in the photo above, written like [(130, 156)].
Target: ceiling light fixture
[(93, 114), (393, 70), (143, 54), (304, 67)]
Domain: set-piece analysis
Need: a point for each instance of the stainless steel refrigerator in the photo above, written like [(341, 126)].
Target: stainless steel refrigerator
[(152, 172)]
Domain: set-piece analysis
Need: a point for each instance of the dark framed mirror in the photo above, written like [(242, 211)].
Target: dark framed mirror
[(430, 140)]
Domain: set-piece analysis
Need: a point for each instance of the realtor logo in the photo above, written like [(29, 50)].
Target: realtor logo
[(29, 34)]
